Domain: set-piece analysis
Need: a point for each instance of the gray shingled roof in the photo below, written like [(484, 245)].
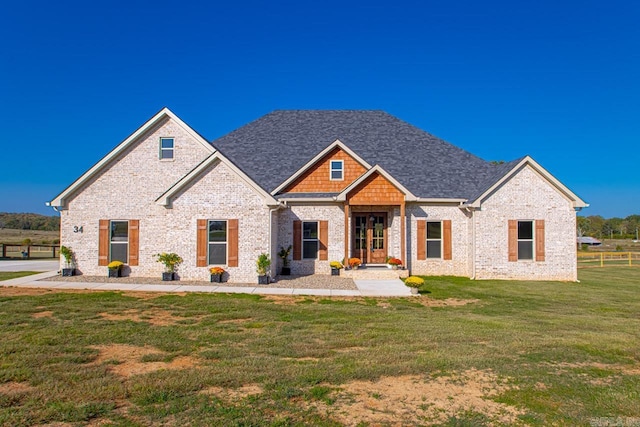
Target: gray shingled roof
[(278, 144)]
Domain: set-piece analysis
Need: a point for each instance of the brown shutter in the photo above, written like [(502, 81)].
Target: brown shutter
[(103, 242), (513, 240), (201, 243), (446, 239), (324, 241), (539, 240), (134, 241), (297, 240), (232, 243), (421, 244)]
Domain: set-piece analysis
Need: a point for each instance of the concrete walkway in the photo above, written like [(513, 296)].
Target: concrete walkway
[(366, 288), (29, 265)]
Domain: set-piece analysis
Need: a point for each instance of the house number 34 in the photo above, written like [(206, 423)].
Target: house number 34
[(77, 229)]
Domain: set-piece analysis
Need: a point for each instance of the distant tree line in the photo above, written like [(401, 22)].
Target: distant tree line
[(29, 221), (612, 228)]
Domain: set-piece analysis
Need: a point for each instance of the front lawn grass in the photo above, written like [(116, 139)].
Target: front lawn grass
[(8, 275), (559, 353)]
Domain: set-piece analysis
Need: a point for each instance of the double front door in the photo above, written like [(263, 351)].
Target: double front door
[(369, 233)]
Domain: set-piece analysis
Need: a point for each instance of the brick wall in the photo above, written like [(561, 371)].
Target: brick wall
[(526, 196), (332, 213), (459, 264), (127, 189)]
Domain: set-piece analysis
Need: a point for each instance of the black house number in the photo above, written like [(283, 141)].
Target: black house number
[(77, 229)]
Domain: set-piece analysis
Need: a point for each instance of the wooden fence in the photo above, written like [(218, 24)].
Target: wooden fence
[(608, 259), (29, 251)]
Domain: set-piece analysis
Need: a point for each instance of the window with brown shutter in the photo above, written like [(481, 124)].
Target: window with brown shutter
[(134, 241), (297, 240), (539, 240), (447, 253), (232, 243), (526, 240), (513, 240), (421, 236), (103, 242), (201, 243), (323, 251)]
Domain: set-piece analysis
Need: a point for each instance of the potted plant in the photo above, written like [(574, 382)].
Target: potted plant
[(114, 268), (414, 282), (284, 255), (395, 263), (262, 266), (216, 274), (67, 253), (171, 261), (354, 263), (336, 266)]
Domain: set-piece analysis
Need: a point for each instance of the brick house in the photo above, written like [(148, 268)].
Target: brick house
[(333, 184)]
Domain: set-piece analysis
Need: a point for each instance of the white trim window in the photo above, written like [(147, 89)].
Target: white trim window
[(166, 148), (217, 241), (434, 239), (525, 240), (119, 241), (336, 170), (310, 239)]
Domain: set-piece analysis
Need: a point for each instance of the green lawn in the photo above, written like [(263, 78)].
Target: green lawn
[(7, 275), (498, 352)]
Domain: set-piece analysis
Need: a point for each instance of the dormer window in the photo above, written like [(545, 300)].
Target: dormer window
[(166, 148), (337, 170)]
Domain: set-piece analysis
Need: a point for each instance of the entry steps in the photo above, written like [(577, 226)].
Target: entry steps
[(375, 271)]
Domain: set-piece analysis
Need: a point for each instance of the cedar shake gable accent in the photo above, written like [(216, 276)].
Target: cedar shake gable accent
[(375, 180), (316, 179)]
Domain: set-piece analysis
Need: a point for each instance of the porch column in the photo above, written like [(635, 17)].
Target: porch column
[(346, 233), (403, 250)]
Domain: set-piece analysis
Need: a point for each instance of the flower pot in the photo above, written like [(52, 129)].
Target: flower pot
[(263, 280), (216, 278), (335, 271), (394, 267), (114, 272), (286, 271), (67, 272), (414, 291), (167, 277)]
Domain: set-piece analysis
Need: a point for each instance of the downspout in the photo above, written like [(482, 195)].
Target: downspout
[(469, 209), (473, 245), (271, 251)]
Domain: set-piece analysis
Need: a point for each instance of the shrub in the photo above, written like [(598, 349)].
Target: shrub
[(170, 260), (262, 264), (67, 253), (394, 261), (414, 281), (284, 255)]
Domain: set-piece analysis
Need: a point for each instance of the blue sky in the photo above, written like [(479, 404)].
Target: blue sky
[(556, 80)]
